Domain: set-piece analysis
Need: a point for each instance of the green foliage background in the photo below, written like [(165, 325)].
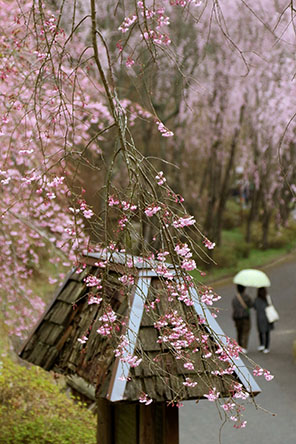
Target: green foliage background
[(33, 410)]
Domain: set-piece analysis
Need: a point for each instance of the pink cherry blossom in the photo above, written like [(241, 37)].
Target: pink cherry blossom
[(122, 222), (83, 339), (112, 201), (108, 319), (151, 210), (160, 178), (93, 281), (213, 395), (239, 391), (122, 353), (127, 23), (129, 62), (127, 279), (210, 245), (258, 371), (189, 383), (228, 406), (183, 250), (94, 300), (184, 222), (144, 399), (208, 297), (267, 375), (240, 425), (162, 255), (88, 214), (161, 128), (188, 264), (189, 365)]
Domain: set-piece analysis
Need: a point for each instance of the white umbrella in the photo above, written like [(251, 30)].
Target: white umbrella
[(252, 278)]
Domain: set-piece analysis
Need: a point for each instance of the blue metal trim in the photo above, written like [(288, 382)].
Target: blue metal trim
[(135, 318)]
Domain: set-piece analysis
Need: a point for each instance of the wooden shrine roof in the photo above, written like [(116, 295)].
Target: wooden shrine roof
[(54, 344)]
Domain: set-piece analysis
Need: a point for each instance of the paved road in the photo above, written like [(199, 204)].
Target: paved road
[(200, 423)]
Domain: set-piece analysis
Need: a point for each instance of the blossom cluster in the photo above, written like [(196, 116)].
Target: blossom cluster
[(175, 331), (127, 23), (82, 340), (258, 371), (212, 395), (210, 245), (93, 299), (164, 270), (151, 210), (189, 383), (122, 352), (184, 222), (45, 219), (127, 280), (208, 297), (108, 319), (93, 281), (148, 23), (160, 178), (181, 292), (162, 129), (145, 399)]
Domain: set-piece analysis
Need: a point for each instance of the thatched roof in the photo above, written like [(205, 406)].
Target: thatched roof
[(54, 343)]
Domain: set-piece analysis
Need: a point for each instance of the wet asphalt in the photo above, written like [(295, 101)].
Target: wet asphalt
[(274, 419)]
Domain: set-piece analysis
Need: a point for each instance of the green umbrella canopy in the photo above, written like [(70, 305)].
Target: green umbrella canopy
[(252, 278)]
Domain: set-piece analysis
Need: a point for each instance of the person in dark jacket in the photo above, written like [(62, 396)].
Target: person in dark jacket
[(263, 326), (241, 304)]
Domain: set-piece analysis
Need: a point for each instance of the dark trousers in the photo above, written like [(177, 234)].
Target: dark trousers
[(264, 339), (243, 330)]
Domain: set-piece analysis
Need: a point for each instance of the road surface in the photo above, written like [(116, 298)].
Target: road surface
[(200, 423)]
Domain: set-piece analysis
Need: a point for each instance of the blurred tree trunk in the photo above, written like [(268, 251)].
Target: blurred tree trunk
[(214, 185), (253, 213), (225, 188), (265, 227)]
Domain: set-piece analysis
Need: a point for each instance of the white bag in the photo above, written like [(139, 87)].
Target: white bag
[(271, 313)]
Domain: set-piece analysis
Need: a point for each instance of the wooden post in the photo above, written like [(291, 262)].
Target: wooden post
[(147, 425), (104, 425), (159, 424), (171, 425), (118, 423), (125, 424)]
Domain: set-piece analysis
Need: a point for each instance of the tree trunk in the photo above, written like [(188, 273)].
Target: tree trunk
[(214, 181), (252, 214), (265, 228), (224, 191)]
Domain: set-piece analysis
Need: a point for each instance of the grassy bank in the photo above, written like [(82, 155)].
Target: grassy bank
[(235, 254), (34, 409)]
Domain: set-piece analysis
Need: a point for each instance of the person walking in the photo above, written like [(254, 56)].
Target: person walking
[(241, 304), (263, 326)]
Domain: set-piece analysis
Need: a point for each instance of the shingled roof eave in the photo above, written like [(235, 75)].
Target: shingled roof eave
[(48, 308), (117, 388)]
